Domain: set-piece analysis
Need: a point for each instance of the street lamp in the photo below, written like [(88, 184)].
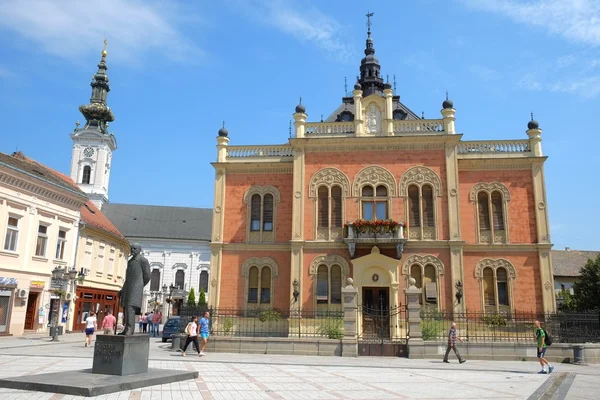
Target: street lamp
[(61, 277), (168, 290)]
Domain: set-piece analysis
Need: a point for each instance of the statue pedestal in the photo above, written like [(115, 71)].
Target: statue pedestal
[(121, 355)]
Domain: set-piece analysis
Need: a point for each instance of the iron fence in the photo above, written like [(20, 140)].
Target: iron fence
[(327, 324), (518, 326)]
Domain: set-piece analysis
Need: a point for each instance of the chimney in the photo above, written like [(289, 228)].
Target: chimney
[(567, 249)]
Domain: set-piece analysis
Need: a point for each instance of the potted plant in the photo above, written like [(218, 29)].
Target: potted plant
[(385, 227)]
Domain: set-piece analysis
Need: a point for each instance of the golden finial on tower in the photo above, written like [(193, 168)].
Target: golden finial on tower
[(104, 50)]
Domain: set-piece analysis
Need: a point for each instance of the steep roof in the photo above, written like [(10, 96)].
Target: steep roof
[(92, 216), (26, 165), (160, 222), (569, 262)]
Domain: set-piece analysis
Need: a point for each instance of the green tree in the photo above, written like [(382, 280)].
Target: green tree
[(202, 299), (568, 301), (587, 286), (191, 298)]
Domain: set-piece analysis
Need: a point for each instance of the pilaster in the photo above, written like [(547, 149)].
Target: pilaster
[(535, 141), (297, 221), (448, 116), (358, 122), (388, 120), (543, 234), (217, 235)]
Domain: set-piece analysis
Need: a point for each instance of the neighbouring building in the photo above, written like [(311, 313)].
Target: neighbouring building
[(176, 242), (332, 202), (39, 220), (567, 265), (102, 253)]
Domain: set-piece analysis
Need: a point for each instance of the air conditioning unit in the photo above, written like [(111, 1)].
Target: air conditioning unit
[(69, 296), (22, 293)]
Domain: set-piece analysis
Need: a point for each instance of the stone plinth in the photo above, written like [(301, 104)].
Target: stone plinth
[(121, 355)]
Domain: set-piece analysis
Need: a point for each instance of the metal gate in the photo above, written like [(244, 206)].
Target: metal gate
[(382, 330)]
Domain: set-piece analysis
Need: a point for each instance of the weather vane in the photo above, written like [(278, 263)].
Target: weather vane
[(369, 15)]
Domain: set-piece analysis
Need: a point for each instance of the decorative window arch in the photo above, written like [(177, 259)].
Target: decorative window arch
[(421, 186), (260, 275), (491, 211), (427, 270), (374, 175), (374, 186), (496, 277), (328, 272), (262, 212), (328, 187)]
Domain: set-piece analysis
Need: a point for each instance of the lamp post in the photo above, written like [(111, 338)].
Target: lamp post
[(168, 290), (61, 278)]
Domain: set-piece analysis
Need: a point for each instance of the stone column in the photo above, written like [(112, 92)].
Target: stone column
[(296, 261), (222, 142), (535, 141), (350, 301), (300, 124), (358, 122), (217, 237), (416, 347)]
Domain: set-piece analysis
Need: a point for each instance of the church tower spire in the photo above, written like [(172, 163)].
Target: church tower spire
[(93, 144), (370, 70)]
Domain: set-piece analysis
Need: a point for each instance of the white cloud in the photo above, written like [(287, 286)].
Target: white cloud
[(586, 87), (302, 22), (71, 28), (575, 20)]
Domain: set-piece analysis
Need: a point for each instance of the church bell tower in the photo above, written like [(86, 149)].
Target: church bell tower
[(93, 145)]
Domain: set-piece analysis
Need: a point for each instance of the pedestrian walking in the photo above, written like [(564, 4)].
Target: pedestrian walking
[(452, 337), (90, 327), (141, 323), (145, 323), (204, 331), (151, 322), (192, 331), (108, 323), (540, 337), (157, 319)]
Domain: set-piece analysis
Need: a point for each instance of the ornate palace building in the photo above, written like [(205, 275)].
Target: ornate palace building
[(379, 194)]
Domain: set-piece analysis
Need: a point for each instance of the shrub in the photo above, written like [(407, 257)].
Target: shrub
[(191, 298), (431, 330), (227, 326), (332, 328), (202, 299), (269, 315), (494, 320)]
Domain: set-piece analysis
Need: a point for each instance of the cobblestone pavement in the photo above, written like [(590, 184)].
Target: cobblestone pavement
[(246, 376)]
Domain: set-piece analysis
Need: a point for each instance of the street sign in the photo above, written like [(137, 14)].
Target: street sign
[(58, 284)]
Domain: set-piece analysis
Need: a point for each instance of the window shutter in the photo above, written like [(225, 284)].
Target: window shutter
[(268, 212), (323, 208), (428, 211), (413, 207), (336, 207), (484, 211), (255, 213), (497, 212)]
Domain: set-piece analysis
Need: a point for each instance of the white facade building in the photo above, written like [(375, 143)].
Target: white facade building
[(176, 242)]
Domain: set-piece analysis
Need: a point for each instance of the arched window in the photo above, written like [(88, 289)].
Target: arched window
[(329, 212), (204, 281), (374, 202), (87, 175), (491, 204), (421, 186), (496, 277), (329, 285), (259, 285), (261, 202), (180, 279), (155, 280), (426, 271)]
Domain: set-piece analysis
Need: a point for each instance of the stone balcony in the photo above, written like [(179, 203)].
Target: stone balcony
[(395, 238)]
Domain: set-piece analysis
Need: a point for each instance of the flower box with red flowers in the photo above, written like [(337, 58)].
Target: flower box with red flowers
[(372, 228)]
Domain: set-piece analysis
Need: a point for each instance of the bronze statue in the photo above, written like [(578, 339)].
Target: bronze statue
[(137, 277)]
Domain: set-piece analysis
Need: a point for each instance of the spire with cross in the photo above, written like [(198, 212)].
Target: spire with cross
[(369, 15)]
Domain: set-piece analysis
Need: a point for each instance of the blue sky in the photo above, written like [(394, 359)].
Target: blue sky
[(179, 68)]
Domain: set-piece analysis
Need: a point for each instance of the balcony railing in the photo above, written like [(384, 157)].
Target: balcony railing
[(494, 146), (419, 126), (235, 152), (329, 128)]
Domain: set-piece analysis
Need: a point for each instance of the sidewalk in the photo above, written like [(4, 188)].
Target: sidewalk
[(241, 376)]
